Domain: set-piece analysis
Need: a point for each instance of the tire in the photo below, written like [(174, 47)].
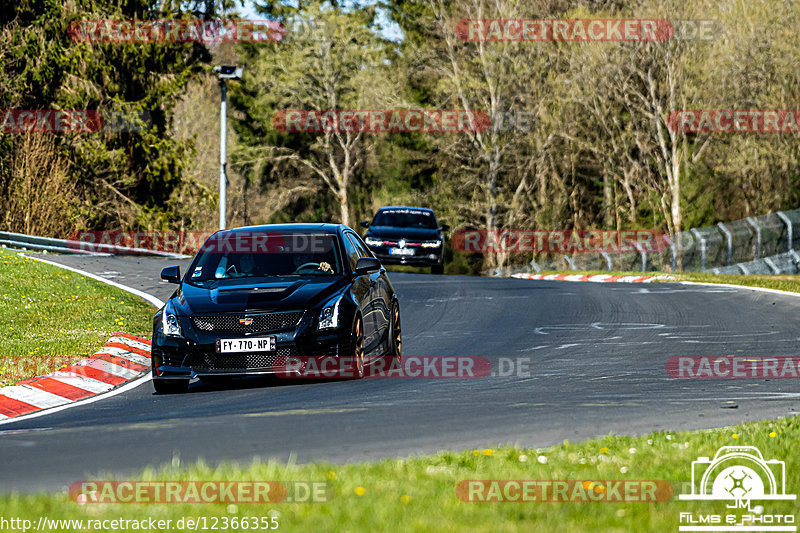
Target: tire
[(437, 269), (395, 339), (356, 349), (171, 386)]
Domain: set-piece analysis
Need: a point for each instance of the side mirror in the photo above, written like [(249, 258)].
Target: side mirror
[(445, 227), (365, 223), (171, 274), (367, 264)]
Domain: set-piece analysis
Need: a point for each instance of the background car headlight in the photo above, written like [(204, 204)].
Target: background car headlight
[(431, 244), (373, 242), (329, 316), (170, 325)]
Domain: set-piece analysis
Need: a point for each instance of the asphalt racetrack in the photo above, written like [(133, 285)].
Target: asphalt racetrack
[(595, 354)]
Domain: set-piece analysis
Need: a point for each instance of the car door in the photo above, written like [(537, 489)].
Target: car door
[(361, 291), (379, 311)]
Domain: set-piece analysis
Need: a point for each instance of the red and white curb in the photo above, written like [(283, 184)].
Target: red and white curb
[(596, 278), (122, 359)]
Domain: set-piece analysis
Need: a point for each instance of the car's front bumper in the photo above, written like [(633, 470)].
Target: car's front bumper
[(421, 257), (179, 358)]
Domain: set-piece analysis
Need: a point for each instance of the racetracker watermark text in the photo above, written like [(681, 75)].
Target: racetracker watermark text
[(586, 30), (180, 492), (189, 242), (381, 121), (558, 241), (559, 491), (176, 31), (734, 367), (409, 367), (71, 121), (735, 121), (566, 30)]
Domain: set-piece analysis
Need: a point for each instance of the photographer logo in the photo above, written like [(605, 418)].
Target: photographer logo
[(738, 475)]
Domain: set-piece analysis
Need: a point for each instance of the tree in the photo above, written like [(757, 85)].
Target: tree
[(122, 178), (341, 65), (498, 167)]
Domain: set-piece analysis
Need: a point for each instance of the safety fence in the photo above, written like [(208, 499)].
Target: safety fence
[(68, 246), (755, 245)]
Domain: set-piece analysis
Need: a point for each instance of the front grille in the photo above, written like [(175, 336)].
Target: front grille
[(246, 361), (408, 244), (259, 322)]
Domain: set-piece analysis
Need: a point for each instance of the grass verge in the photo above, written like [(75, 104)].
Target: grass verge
[(783, 282), (51, 317), (419, 494)]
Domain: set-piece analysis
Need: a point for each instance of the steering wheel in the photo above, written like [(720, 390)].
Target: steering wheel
[(232, 271), (315, 266)]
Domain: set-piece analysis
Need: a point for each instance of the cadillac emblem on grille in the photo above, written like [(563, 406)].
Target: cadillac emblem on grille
[(261, 322)]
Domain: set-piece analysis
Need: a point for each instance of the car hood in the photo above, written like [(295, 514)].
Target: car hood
[(412, 234), (280, 294)]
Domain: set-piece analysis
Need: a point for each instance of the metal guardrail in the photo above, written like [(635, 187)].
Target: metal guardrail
[(755, 245), (65, 246)]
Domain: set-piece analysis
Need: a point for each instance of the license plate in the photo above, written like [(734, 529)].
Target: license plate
[(250, 344), (401, 251)]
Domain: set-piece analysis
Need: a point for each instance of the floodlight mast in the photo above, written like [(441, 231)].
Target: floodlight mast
[(224, 72)]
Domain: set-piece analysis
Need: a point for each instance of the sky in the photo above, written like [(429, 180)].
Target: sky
[(391, 30)]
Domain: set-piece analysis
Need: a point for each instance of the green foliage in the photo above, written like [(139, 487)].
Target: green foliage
[(125, 178), (329, 60), (598, 156)]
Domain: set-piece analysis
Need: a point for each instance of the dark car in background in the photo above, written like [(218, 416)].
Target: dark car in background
[(403, 235), (255, 296)]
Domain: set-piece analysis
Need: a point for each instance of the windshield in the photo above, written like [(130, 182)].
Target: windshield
[(405, 218), (240, 254)]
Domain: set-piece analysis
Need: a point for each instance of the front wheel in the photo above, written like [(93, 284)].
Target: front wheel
[(437, 269), (395, 333), (357, 348), (171, 386)]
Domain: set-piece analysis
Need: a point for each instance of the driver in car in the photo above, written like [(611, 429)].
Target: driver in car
[(309, 262), (304, 260)]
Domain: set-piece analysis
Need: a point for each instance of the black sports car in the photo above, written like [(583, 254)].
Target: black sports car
[(407, 236), (258, 295)]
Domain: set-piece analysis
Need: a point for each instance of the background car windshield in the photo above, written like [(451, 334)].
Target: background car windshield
[(239, 255), (405, 218)]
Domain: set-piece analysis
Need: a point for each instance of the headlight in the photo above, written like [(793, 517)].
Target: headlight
[(431, 244), (329, 316), (373, 242), (170, 324)]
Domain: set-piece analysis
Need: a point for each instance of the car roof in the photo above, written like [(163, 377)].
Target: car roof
[(302, 227), (405, 207)]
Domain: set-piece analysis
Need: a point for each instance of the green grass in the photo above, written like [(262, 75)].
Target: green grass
[(418, 494), (783, 282), (50, 317), (412, 494)]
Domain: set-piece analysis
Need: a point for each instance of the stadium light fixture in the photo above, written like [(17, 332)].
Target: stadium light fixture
[(225, 73)]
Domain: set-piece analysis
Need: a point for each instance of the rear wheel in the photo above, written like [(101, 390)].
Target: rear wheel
[(171, 386)]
